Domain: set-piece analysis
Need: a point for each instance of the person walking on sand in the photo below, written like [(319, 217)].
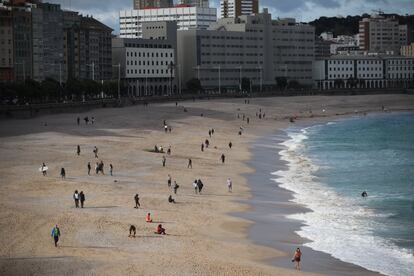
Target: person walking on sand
[(163, 160), (132, 231), (95, 151), (207, 142), (212, 131), (76, 198), (82, 198), (148, 218), (89, 168), (55, 234), (43, 169), (111, 169), (190, 163), (296, 258), (176, 186), (202, 146), (209, 133), (63, 173), (229, 185), (195, 186), (230, 144), (78, 150), (136, 198), (248, 120), (223, 158), (96, 167), (169, 181)]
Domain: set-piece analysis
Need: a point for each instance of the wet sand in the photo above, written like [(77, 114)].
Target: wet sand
[(203, 237)]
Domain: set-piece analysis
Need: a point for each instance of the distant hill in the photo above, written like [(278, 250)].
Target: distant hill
[(349, 25)]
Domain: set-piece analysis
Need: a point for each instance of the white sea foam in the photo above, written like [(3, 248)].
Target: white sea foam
[(337, 225)]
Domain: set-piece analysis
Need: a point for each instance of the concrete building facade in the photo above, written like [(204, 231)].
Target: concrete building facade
[(254, 47), (196, 3), (407, 50), (144, 4), (130, 21), (364, 72), (236, 8), (148, 66), (47, 35), (6, 45), (381, 35)]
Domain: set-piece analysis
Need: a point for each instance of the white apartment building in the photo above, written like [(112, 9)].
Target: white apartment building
[(363, 72), (145, 65), (130, 21)]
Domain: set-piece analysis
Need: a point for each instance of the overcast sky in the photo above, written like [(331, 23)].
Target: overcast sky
[(302, 10)]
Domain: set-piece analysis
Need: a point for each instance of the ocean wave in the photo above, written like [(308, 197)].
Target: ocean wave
[(337, 225)]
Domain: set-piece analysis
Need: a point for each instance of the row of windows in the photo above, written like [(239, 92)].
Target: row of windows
[(139, 54), (151, 46), (148, 62), (148, 71)]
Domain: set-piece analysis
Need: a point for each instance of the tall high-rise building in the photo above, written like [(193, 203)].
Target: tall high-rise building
[(195, 3), (235, 8), (142, 4), (6, 45)]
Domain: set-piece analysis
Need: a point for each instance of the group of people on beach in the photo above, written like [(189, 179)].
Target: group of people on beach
[(197, 184)]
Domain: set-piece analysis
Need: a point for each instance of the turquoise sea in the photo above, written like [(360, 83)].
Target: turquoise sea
[(331, 164)]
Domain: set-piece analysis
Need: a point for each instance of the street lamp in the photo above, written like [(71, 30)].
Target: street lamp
[(93, 69), (119, 79)]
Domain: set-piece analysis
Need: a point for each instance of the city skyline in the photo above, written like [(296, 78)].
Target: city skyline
[(302, 10)]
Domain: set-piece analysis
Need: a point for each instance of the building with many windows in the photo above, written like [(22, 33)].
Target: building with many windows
[(187, 17), (407, 50), (381, 35), (6, 45), (236, 8), (195, 3), (144, 4), (363, 72), (148, 65), (253, 47)]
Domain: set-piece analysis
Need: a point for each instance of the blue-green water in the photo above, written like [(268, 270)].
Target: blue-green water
[(330, 165)]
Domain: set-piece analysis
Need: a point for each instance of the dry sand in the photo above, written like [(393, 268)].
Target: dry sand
[(202, 238)]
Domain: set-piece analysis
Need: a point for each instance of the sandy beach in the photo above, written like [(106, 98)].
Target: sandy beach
[(203, 237)]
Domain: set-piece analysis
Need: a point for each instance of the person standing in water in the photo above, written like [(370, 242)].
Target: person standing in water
[(136, 198), (296, 258), (55, 234)]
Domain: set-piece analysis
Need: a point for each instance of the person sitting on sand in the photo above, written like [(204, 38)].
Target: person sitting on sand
[(296, 258), (170, 199), (160, 230), (148, 218), (132, 231)]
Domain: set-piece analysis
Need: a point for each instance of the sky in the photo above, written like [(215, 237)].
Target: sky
[(303, 10)]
